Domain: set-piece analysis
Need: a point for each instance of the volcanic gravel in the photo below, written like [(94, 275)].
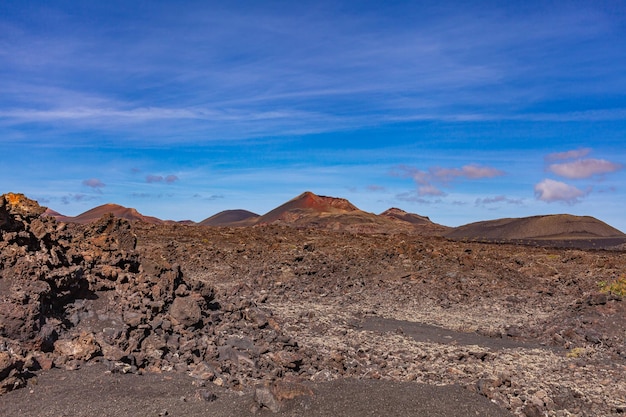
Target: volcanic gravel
[(288, 321)]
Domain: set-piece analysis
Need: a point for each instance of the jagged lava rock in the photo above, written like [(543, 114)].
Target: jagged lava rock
[(76, 293)]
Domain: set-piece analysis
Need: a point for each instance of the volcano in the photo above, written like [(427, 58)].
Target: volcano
[(554, 228), (96, 213), (231, 218)]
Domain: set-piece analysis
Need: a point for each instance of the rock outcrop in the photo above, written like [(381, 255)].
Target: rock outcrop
[(70, 294)]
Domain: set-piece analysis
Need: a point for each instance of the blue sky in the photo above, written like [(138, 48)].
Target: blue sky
[(182, 109)]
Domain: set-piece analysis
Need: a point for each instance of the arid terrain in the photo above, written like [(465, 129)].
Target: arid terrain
[(133, 318)]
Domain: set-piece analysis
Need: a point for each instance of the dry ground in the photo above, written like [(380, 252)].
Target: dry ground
[(526, 327), (379, 324)]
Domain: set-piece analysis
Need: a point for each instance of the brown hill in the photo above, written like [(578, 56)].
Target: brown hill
[(549, 227), (311, 210), (97, 212), (305, 205), (231, 218)]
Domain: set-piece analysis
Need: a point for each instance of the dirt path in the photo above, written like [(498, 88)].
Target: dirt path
[(93, 392)]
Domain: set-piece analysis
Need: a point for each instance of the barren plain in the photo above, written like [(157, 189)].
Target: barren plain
[(119, 318)]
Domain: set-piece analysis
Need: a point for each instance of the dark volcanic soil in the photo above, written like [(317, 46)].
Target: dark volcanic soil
[(93, 392), (302, 322)]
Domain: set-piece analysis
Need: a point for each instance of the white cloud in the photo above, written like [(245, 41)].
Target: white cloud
[(584, 168), (550, 190), (427, 180), (472, 171)]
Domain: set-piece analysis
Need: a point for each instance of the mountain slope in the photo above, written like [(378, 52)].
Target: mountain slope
[(231, 218), (549, 227), (97, 212)]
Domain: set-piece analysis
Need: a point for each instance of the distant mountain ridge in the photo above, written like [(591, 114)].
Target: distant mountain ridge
[(309, 210), (305, 210)]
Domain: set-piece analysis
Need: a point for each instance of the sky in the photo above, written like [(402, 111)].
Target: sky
[(460, 111)]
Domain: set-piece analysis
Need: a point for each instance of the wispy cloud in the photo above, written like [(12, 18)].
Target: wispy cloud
[(153, 178), (68, 199), (550, 191), (169, 179), (214, 72), (429, 190), (418, 84), (141, 114), (212, 197), (498, 199), (412, 197), (573, 154), (375, 188), (472, 171)]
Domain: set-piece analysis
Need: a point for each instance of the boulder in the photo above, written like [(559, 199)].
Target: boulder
[(185, 311)]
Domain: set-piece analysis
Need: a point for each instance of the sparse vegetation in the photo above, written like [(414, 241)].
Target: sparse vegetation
[(616, 286), (576, 352)]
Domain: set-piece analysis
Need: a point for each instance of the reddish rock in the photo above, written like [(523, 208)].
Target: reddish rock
[(185, 311), (83, 347)]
